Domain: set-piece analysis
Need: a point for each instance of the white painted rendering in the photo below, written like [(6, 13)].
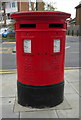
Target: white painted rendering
[(10, 8)]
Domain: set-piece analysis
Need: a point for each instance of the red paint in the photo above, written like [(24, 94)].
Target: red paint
[(42, 66)]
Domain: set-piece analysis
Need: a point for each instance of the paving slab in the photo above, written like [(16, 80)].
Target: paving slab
[(7, 108), (71, 113), (68, 113), (18, 108), (0, 108), (39, 114), (73, 100), (69, 89), (9, 83), (76, 86), (9, 78), (0, 86), (72, 75), (0, 112)]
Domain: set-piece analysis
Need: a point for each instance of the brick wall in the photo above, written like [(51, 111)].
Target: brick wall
[(23, 6), (78, 16), (40, 6)]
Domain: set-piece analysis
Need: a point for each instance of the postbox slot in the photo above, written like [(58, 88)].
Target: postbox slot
[(27, 25), (55, 25)]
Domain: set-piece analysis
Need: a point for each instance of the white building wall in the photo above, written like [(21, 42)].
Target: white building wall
[(10, 8)]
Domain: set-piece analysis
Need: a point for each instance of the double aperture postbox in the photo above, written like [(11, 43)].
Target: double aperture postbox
[(40, 49)]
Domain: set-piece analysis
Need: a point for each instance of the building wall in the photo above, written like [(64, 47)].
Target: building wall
[(78, 16), (40, 6), (74, 30), (11, 7), (23, 6), (1, 12)]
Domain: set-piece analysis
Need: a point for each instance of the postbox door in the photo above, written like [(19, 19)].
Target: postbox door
[(56, 58), (35, 57), (31, 58), (52, 58), (42, 58)]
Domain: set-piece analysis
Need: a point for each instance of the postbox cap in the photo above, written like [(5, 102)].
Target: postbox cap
[(36, 14)]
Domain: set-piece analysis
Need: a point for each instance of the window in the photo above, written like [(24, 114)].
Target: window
[(56, 45), (13, 4)]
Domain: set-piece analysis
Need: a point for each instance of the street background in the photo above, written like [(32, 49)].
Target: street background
[(8, 80), (8, 74), (7, 49)]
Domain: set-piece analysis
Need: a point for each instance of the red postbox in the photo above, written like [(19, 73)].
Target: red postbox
[(40, 49)]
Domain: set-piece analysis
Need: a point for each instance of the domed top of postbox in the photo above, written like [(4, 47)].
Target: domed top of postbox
[(40, 15)]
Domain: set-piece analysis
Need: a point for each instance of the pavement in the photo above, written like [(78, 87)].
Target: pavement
[(68, 109)]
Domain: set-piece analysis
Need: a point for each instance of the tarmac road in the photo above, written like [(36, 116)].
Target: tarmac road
[(72, 52)]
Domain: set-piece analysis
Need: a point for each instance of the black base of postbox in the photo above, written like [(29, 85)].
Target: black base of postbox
[(40, 96)]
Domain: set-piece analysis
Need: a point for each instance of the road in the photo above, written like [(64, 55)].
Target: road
[(72, 52), (8, 59)]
